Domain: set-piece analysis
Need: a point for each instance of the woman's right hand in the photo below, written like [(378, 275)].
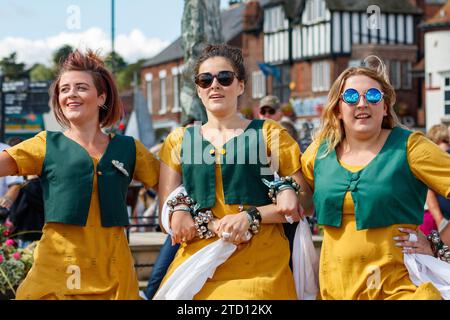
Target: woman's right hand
[(183, 227)]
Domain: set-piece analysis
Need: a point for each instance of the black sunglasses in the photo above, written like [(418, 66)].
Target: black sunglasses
[(268, 110), (225, 78)]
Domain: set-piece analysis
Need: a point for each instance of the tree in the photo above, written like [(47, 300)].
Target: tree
[(12, 69), (125, 77), (40, 72), (115, 62), (61, 54)]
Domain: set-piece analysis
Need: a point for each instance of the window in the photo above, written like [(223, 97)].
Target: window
[(148, 89), (394, 73), (447, 96), (320, 76), (162, 92), (176, 89), (276, 35), (258, 85), (406, 75), (275, 19), (315, 11)]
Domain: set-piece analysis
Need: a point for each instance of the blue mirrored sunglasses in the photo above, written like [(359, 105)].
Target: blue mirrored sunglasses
[(351, 96)]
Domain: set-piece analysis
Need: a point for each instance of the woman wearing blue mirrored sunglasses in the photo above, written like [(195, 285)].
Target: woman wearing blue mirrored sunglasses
[(370, 178)]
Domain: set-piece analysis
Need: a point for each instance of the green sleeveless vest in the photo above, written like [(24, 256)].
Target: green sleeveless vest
[(385, 192), (243, 165), (67, 180)]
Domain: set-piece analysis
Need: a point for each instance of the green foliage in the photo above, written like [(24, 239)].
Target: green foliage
[(14, 263), (61, 54), (11, 68), (115, 62), (126, 76), (40, 72)]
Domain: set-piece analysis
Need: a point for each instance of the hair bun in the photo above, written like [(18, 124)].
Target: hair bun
[(374, 63)]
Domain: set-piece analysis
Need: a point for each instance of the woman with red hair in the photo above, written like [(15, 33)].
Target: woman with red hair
[(85, 173)]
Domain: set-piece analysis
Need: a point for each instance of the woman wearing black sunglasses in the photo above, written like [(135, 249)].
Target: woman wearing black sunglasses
[(370, 177), (221, 164)]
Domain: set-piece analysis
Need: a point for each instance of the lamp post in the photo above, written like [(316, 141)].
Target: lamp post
[(113, 35), (2, 108)]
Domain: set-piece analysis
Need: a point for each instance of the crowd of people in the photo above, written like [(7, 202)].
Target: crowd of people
[(242, 184)]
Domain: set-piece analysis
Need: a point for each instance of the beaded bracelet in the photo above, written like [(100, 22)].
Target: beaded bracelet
[(201, 220), (279, 185), (440, 250), (181, 202)]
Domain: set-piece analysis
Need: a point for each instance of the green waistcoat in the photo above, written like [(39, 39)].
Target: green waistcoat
[(243, 165), (385, 192), (67, 180)]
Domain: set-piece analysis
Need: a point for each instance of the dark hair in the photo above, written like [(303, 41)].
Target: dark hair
[(103, 81), (232, 54), (14, 140)]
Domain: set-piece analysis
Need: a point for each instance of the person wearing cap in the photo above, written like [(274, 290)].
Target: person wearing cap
[(270, 108)]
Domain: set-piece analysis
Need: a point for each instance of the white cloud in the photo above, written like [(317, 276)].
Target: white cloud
[(132, 46)]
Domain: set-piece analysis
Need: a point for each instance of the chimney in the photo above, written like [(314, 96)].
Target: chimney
[(253, 16)]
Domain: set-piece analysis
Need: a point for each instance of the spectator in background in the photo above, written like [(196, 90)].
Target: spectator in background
[(27, 212), (270, 108)]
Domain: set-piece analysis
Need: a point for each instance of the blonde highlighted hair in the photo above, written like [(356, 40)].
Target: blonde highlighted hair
[(331, 129)]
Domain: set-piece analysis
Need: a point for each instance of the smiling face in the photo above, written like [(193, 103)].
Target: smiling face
[(78, 97), (362, 118), (219, 100)]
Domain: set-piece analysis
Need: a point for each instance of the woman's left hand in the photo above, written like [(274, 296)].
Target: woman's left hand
[(421, 246), (233, 227)]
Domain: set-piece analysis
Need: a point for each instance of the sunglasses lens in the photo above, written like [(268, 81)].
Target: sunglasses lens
[(267, 110), (204, 80), (373, 95), (225, 78), (350, 96)]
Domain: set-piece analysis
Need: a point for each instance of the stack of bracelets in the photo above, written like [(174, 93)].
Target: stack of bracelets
[(277, 186), (440, 250), (184, 203)]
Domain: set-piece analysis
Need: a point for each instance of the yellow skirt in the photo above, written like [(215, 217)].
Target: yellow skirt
[(73, 262), (258, 271)]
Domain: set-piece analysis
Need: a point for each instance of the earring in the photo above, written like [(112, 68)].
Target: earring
[(104, 107)]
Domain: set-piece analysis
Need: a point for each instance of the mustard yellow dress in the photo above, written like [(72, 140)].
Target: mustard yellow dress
[(75, 262), (260, 270), (366, 264)]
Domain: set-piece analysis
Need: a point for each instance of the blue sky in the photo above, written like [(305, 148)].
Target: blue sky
[(34, 28)]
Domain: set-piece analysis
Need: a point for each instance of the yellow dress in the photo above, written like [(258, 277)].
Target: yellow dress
[(366, 264), (260, 270), (76, 262)]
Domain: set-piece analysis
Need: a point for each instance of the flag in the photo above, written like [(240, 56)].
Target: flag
[(267, 69)]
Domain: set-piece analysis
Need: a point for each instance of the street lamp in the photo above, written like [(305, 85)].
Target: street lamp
[(2, 108)]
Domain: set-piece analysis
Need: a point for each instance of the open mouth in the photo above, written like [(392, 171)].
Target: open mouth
[(216, 96), (363, 116), (73, 104)]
